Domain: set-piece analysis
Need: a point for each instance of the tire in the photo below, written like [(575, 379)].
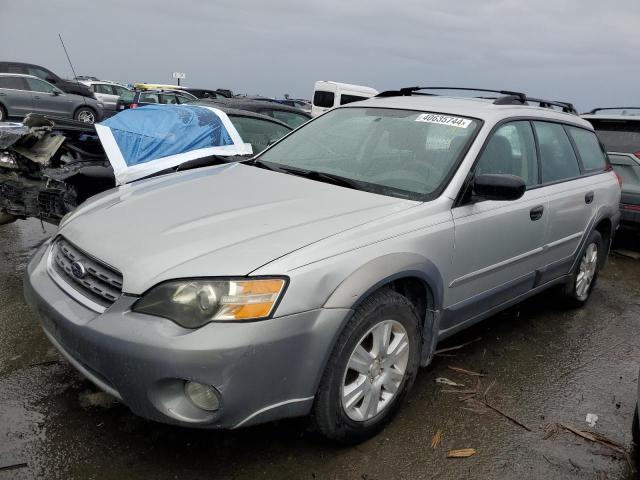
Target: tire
[(576, 293), (385, 312), (3, 113), (85, 114)]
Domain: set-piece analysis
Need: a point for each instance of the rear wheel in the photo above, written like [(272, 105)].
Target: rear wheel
[(371, 369), (583, 279), (3, 114), (85, 114)]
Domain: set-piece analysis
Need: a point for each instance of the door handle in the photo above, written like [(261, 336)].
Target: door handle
[(3, 94), (36, 97), (536, 213), (588, 198)]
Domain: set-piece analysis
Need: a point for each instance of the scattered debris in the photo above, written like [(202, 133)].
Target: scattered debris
[(45, 363), (457, 347), (466, 372), (591, 419), (436, 441), (598, 438), (89, 399), (508, 417), (461, 453), (446, 381), (13, 466)]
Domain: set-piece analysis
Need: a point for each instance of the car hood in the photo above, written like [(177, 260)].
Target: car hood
[(226, 220)]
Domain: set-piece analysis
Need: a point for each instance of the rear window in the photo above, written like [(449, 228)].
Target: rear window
[(127, 96), (259, 133), (344, 99), (588, 148), (323, 99), (618, 135)]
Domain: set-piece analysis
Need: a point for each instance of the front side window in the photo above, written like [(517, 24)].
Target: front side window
[(511, 149), (557, 157), (259, 133), (400, 153), (323, 99), (589, 149), (344, 99), (37, 85), (118, 90)]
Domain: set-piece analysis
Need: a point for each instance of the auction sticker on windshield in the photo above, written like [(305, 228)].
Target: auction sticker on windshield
[(444, 120)]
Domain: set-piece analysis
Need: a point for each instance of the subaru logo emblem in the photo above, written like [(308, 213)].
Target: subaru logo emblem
[(78, 270)]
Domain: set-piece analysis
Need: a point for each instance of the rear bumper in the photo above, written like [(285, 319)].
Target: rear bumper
[(630, 209), (262, 370)]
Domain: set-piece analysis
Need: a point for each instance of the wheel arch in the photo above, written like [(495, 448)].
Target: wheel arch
[(89, 107), (411, 275)]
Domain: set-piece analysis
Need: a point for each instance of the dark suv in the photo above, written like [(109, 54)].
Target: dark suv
[(67, 86), (619, 131), (139, 98)]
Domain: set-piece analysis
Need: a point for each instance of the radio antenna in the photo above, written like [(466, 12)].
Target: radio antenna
[(75, 77)]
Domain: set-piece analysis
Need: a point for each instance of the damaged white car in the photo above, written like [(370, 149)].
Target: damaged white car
[(49, 166)]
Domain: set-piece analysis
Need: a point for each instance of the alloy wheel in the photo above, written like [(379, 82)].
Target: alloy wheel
[(586, 271), (86, 116), (375, 370)]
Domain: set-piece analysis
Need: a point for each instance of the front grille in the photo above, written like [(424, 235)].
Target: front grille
[(93, 279)]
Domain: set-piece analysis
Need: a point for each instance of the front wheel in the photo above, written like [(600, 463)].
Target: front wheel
[(371, 369), (583, 279), (85, 115)]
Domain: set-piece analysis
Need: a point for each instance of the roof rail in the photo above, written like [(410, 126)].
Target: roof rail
[(596, 110), (507, 97)]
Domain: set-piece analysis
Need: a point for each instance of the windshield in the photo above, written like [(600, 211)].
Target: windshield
[(259, 133), (400, 153)]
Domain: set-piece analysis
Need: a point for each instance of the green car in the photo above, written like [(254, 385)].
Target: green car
[(620, 134)]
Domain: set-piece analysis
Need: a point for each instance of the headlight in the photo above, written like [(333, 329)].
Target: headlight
[(194, 303)]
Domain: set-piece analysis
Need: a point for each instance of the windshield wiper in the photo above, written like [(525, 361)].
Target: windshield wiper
[(324, 177)]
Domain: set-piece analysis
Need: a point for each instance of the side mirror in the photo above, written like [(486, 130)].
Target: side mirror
[(55, 93), (498, 186)]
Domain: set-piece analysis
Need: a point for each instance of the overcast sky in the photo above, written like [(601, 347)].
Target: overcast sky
[(585, 51)]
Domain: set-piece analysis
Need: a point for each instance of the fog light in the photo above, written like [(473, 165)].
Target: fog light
[(202, 396)]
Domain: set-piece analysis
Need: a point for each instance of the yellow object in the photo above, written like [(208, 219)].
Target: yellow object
[(156, 86), (250, 299)]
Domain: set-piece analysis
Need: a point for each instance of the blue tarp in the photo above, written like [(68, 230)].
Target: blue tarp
[(155, 137), (155, 131)]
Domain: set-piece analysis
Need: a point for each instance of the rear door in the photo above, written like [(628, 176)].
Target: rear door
[(15, 96), (50, 100), (498, 243), (105, 93), (573, 195)]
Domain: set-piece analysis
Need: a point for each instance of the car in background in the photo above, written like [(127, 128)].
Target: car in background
[(328, 94), (207, 93), (24, 94), (77, 167), (67, 86), (108, 93), (139, 98), (84, 78), (293, 117), (300, 103), (619, 132)]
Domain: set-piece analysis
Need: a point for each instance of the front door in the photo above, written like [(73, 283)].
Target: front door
[(48, 99), (498, 243)]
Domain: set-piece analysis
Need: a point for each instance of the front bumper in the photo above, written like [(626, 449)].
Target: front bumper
[(262, 370)]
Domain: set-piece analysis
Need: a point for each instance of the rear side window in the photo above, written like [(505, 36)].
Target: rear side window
[(127, 96), (588, 148), (618, 135), (344, 99), (557, 157), (102, 88), (323, 99), (15, 83), (512, 150), (148, 98)]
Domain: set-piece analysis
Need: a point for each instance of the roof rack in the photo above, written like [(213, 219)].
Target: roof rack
[(507, 97), (596, 110)]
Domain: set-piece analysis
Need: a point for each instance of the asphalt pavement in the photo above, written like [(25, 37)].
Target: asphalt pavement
[(543, 369)]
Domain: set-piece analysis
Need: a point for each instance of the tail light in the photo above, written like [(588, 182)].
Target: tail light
[(611, 169), (133, 105), (637, 154)]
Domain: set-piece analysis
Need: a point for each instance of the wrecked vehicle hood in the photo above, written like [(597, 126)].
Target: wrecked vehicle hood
[(226, 220)]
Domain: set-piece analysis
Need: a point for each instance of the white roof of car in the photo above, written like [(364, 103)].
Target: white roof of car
[(598, 116), (481, 108)]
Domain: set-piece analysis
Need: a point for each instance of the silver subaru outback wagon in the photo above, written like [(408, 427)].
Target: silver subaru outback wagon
[(317, 277)]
